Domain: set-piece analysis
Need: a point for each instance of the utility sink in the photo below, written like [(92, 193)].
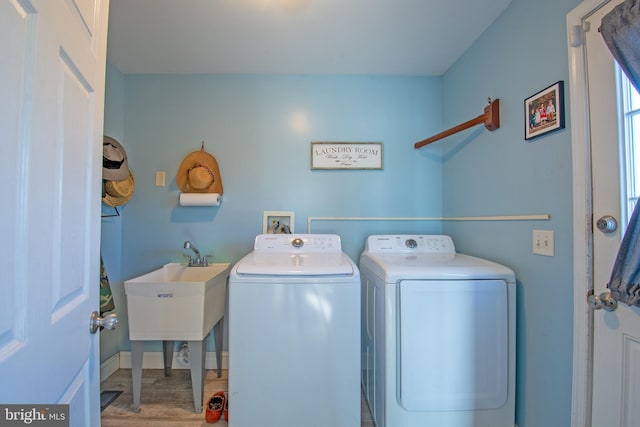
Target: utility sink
[(176, 302)]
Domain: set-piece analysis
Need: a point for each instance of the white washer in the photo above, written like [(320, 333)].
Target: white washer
[(438, 334), (294, 334)]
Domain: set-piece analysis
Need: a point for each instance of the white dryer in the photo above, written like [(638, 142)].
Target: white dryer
[(438, 334), (294, 334)]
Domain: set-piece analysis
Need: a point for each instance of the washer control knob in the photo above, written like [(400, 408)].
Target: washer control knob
[(411, 243), (297, 242)]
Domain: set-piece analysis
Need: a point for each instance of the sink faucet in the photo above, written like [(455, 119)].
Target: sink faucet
[(198, 261)]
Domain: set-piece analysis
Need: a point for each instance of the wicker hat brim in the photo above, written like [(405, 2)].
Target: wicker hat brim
[(118, 193), (194, 159)]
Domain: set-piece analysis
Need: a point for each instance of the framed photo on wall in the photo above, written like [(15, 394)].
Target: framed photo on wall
[(544, 111), (274, 222)]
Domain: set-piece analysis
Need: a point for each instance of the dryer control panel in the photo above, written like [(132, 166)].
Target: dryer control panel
[(412, 243)]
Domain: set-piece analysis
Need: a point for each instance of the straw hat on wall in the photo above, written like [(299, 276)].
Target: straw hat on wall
[(117, 193), (114, 160), (199, 173), (118, 183)]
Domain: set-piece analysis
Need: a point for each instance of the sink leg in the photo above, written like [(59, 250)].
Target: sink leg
[(167, 350), (218, 329), (137, 348), (196, 361)]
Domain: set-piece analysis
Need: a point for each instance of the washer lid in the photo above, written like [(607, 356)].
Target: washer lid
[(296, 264)]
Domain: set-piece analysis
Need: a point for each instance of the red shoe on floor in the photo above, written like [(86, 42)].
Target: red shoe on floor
[(215, 407), (226, 408)]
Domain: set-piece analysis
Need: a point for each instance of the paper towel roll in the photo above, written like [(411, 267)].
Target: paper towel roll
[(200, 199)]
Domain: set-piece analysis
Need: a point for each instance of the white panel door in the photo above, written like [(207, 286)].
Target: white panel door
[(616, 334), (52, 71)]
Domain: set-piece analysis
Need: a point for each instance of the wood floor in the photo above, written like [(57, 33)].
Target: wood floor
[(168, 401)]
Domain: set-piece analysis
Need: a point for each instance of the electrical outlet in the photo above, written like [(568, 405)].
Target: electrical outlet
[(543, 242)]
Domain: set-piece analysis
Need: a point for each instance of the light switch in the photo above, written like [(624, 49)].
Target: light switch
[(543, 242), (160, 182)]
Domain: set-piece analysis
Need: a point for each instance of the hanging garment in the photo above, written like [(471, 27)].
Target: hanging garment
[(625, 275), (106, 297), (620, 30)]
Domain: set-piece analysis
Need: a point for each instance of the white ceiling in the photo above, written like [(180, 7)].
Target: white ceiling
[(388, 37)]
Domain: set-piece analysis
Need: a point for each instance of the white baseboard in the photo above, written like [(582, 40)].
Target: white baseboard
[(109, 366), (154, 360)]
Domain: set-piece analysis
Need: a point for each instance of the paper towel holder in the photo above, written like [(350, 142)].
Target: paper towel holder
[(199, 199)]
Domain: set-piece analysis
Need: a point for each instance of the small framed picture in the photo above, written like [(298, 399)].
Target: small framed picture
[(277, 222), (544, 111)]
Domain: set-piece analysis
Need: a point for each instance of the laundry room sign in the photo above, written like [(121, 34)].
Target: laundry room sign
[(346, 155)]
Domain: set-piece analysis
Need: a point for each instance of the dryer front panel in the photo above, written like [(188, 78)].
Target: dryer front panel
[(452, 344)]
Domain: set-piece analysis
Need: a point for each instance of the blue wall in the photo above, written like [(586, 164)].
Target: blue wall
[(499, 173), (259, 128)]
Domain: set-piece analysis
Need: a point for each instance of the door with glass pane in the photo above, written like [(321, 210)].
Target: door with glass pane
[(616, 333)]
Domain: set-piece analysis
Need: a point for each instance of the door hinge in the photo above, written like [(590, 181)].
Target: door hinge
[(576, 35)]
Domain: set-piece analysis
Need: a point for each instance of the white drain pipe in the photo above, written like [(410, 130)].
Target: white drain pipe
[(535, 217)]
